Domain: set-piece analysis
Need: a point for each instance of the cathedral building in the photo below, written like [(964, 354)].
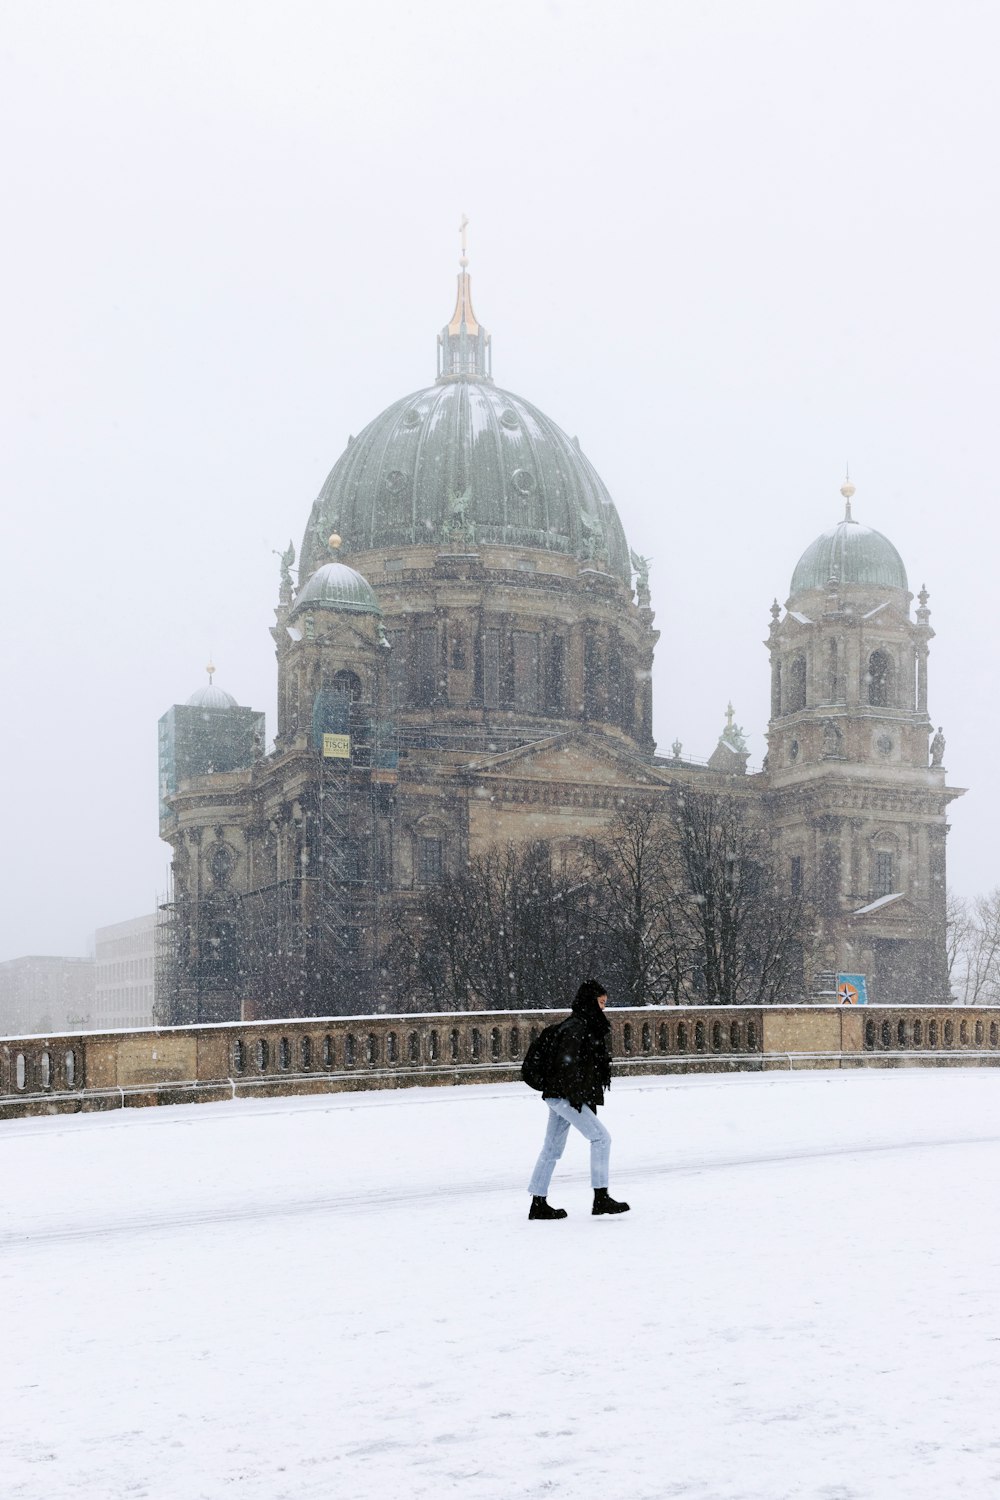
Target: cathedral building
[(465, 658)]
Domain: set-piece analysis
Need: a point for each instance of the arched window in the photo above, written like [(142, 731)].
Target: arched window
[(349, 683), (880, 679), (796, 685), (431, 861), (883, 874)]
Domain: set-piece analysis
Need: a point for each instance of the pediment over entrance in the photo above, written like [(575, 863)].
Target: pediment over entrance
[(891, 916), (575, 758)]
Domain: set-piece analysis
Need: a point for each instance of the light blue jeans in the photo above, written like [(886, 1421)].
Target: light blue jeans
[(561, 1116)]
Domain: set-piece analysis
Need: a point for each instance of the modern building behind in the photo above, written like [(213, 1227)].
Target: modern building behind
[(42, 993), (124, 957)]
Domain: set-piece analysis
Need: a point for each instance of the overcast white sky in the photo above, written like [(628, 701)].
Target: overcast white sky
[(728, 245)]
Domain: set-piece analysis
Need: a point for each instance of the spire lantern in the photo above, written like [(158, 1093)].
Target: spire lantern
[(464, 346)]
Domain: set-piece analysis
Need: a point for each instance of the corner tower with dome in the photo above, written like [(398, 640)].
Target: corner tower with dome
[(861, 815)]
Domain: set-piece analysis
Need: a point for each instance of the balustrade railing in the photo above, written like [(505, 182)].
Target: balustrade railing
[(113, 1069)]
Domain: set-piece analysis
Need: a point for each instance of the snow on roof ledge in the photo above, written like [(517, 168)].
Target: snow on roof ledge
[(877, 905), (802, 619)]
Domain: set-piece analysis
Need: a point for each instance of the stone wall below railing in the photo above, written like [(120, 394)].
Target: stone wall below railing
[(117, 1069)]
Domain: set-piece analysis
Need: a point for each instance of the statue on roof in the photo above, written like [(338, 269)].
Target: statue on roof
[(937, 748), (733, 735), (641, 566), (287, 558)]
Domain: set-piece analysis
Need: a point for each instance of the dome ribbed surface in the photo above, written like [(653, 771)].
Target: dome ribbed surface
[(336, 586), (467, 455), (210, 696), (852, 554)]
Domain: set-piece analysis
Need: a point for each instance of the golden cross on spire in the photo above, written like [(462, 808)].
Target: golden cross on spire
[(462, 228)]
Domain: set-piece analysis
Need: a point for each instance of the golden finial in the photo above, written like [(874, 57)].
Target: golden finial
[(462, 228), (210, 669), (335, 542), (847, 490)]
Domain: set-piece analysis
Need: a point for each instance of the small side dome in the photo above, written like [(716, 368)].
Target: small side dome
[(849, 553), (210, 696), (336, 586)]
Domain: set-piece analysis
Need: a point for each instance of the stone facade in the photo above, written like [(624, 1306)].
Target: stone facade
[(469, 662)]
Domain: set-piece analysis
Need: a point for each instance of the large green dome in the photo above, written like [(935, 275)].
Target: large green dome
[(465, 454), (849, 553)]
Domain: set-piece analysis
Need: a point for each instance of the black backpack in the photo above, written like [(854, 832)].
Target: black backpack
[(540, 1056)]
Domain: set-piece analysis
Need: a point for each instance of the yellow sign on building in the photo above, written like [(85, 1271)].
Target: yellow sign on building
[(337, 746)]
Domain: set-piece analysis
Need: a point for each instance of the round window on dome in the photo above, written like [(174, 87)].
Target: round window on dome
[(395, 482), (509, 418), (524, 481), (411, 418)]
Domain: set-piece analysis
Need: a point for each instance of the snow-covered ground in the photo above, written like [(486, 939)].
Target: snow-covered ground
[(342, 1297)]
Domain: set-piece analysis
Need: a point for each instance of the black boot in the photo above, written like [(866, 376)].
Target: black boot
[(603, 1204), (541, 1209)]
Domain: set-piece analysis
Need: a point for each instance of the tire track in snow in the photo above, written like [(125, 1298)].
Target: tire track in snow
[(378, 1200)]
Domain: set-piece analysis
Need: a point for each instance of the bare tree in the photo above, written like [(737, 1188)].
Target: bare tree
[(974, 948), (958, 932), (675, 903), (748, 930), (649, 948), (507, 932)]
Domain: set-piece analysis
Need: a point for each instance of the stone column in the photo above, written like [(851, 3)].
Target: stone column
[(922, 654)]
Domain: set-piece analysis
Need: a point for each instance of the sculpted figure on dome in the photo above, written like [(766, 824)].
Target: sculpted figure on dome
[(593, 539), (457, 526)]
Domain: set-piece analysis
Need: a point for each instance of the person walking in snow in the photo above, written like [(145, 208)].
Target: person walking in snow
[(578, 1074)]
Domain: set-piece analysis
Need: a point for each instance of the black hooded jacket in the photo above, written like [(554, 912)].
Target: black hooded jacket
[(581, 1068)]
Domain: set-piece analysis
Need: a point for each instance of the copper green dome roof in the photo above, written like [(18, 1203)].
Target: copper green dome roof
[(466, 453), (464, 458), (850, 553), (336, 586)]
